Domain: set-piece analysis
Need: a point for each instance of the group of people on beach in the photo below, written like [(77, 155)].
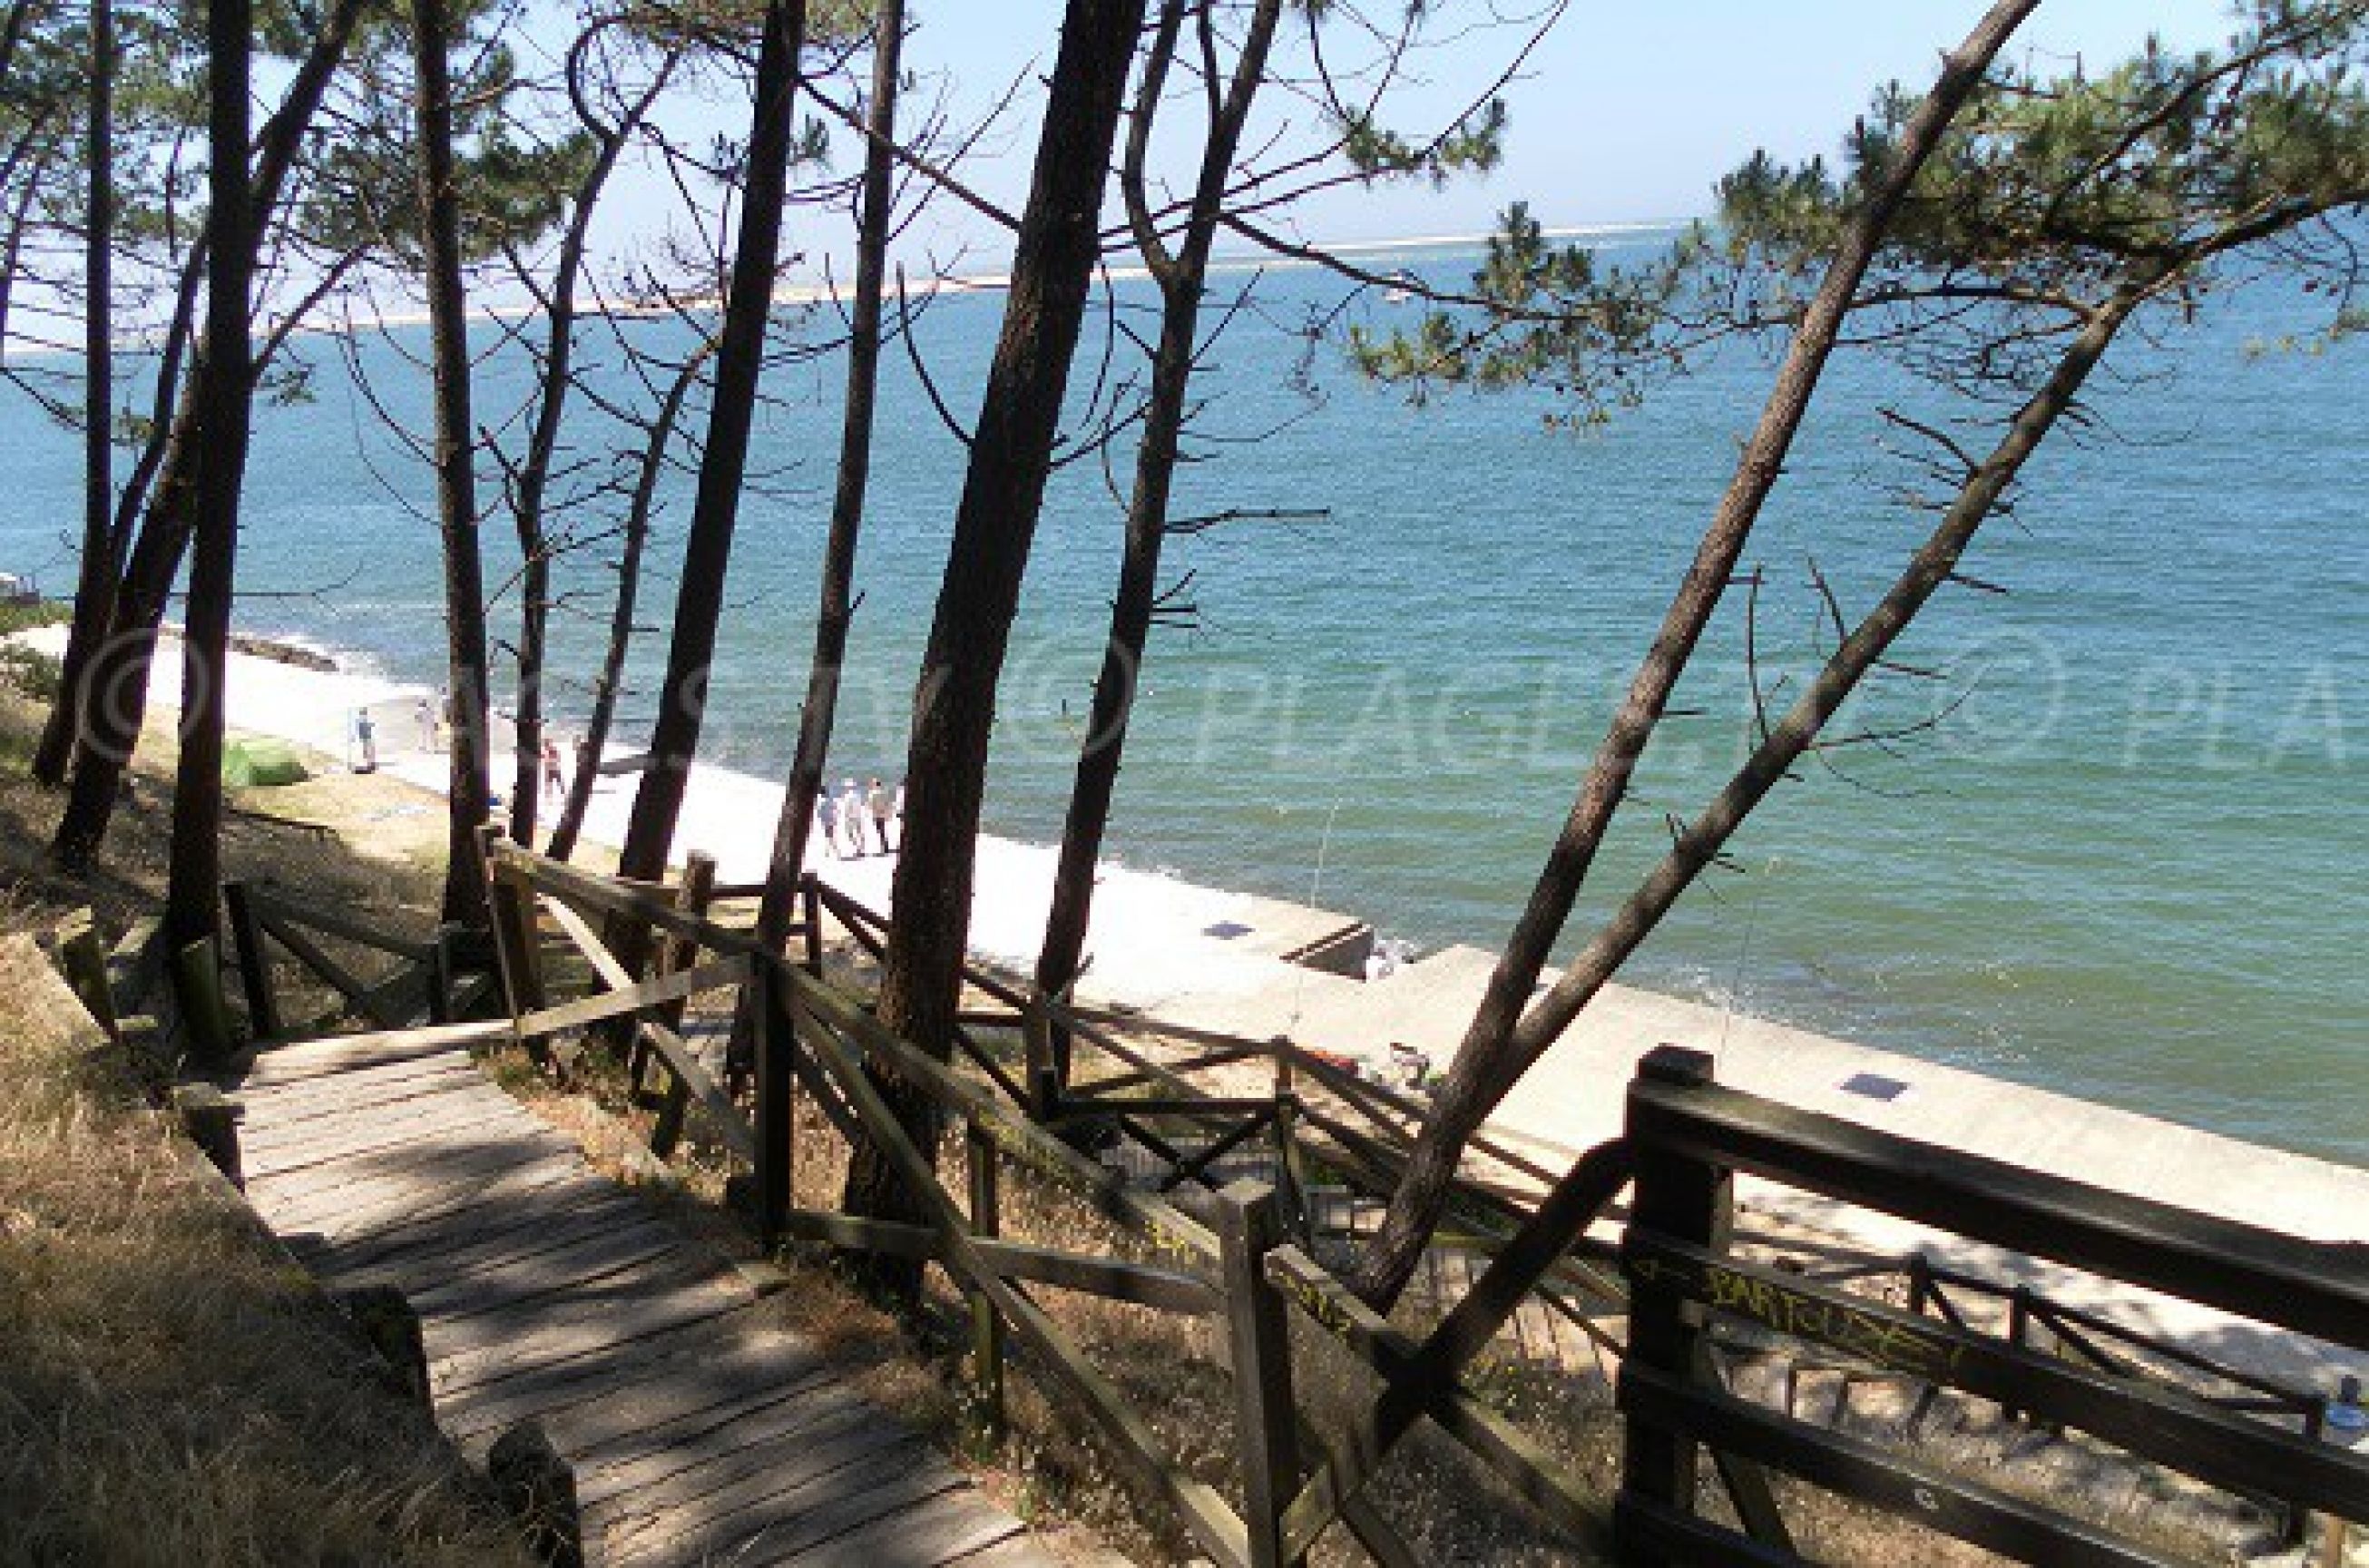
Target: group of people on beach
[(840, 818)]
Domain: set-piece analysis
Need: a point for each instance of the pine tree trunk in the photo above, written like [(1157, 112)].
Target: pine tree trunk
[(469, 789), (1181, 280), (95, 582), (1011, 454), (193, 890), (778, 907), (739, 362), (612, 679), (110, 705), (1478, 1077)]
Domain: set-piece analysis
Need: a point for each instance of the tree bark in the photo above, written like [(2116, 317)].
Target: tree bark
[(530, 497), (739, 362), (1468, 1091), (1180, 279), (1003, 489), (101, 557), (111, 703), (612, 679), (778, 907), (469, 788), (193, 890)]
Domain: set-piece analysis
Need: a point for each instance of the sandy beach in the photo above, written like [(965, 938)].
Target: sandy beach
[(1214, 959)]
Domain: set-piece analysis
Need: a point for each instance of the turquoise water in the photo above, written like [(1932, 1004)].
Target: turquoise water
[(2129, 865)]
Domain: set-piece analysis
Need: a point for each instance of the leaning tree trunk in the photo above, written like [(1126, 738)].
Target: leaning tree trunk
[(778, 904), (531, 501), (101, 560), (1003, 489), (112, 703), (1180, 279), (612, 679), (722, 464), (468, 787), (1470, 1090), (193, 890)]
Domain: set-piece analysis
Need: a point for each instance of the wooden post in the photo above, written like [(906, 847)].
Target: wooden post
[(391, 1323), (810, 897), (81, 957), (1250, 1225), (516, 954), (1291, 1175), (1688, 1200), (538, 1488), (1045, 1081), (197, 984), (210, 1120), (986, 1328), (444, 973), (692, 896), (775, 1124), (254, 962)]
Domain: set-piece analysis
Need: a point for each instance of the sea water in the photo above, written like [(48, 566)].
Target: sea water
[(2111, 840)]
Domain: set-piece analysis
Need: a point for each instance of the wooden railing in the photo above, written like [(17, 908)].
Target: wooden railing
[(423, 984), (1689, 1138), (1245, 1259)]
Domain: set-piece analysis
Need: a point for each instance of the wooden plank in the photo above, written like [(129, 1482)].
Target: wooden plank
[(341, 1202), (483, 1411), (482, 1236), (363, 996), (358, 1139), (474, 1184), (2015, 1528), (2161, 1422), (575, 1266), (737, 1375), (812, 1418), (2315, 1288), (948, 1527), (325, 1120), (271, 901), (1196, 1504), (1021, 1141), (1020, 1551), (1649, 1532), (653, 907), (878, 1487), (1115, 1280), (311, 1059), (706, 1513), (1509, 1453), (1436, 1364), (363, 1086), (641, 998), (487, 1349)]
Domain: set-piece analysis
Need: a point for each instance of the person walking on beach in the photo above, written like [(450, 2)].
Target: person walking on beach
[(365, 742), (850, 817), (827, 819), (554, 783), (883, 804), (427, 717)]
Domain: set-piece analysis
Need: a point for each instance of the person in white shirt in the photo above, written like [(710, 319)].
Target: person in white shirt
[(850, 817)]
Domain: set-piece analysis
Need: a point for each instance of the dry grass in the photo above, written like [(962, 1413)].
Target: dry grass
[(171, 1390)]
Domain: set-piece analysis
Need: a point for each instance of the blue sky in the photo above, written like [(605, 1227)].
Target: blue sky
[(1627, 112)]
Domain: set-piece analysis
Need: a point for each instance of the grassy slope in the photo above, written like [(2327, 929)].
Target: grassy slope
[(171, 1390)]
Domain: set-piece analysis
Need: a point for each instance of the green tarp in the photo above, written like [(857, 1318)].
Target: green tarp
[(261, 762)]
